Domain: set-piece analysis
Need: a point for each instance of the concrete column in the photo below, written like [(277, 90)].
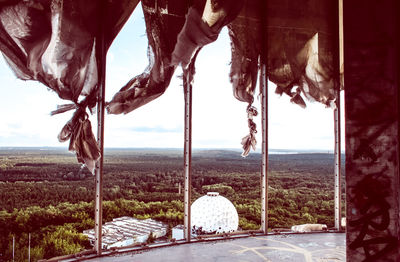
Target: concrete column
[(372, 129)]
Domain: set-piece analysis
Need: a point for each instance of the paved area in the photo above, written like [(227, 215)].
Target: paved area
[(289, 247)]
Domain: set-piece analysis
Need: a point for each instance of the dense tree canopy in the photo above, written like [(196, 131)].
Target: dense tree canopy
[(48, 195)]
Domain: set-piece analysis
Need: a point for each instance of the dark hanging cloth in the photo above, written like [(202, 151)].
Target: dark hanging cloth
[(300, 49), (164, 20), (300, 39), (54, 42), (175, 30), (300, 36)]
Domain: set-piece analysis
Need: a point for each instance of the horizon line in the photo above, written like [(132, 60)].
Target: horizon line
[(179, 148)]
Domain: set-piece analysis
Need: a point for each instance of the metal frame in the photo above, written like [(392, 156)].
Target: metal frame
[(337, 125), (101, 54), (188, 142), (264, 167), (338, 191), (264, 116), (99, 173), (188, 155)]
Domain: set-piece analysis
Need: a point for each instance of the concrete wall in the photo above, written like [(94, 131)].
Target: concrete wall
[(371, 59)]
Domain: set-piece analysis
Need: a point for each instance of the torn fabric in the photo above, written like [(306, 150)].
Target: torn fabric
[(249, 141), (300, 48), (54, 42), (300, 39), (82, 141), (162, 28), (202, 26), (175, 35)]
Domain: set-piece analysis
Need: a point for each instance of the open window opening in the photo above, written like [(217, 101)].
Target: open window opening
[(128, 194)]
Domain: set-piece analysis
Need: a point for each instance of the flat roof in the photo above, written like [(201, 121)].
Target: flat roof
[(124, 228), (306, 247)]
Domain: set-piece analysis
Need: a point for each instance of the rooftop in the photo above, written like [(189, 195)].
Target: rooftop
[(127, 228), (306, 247)]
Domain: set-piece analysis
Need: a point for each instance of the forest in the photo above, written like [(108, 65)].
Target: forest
[(44, 193)]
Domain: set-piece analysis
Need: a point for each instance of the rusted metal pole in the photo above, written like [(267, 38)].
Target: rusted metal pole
[(100, 45), (264, 115), (338, 188), (13, 249), (264, 167), (29, 247), (99, 175), (337, 126), (188, 155)]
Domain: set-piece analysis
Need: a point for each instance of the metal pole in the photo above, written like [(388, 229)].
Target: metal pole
[(29, 247), (13, 252), (338, 191), (188, 155), (264, 167), (100, 45), (99, 175), (337, 124), (264, 115)]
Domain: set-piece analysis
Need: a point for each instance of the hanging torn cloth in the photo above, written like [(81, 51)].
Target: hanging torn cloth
[(203, 24), (54, 42), (300, 50), (174, 34), (164, 20)]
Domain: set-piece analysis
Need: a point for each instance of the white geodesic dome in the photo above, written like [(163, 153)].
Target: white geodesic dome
[(213, 213)]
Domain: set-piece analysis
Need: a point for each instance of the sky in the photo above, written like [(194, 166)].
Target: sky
[(219, 120)]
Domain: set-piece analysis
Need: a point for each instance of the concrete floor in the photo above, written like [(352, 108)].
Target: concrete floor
[(288, 247)]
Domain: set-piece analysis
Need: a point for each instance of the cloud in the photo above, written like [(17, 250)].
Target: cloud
[(159, 129)]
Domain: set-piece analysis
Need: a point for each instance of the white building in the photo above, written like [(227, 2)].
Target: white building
[(177, 232), (213, 213), (124, 231)]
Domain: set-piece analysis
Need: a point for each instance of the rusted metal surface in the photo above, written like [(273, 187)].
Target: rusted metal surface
[(371, 49)]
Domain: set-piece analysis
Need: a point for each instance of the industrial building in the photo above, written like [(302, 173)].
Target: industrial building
[(126, 231)]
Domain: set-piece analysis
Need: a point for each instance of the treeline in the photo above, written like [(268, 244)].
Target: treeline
[(49, 196), (56, 230)]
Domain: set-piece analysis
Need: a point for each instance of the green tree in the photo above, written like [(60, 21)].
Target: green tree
[(64, 240)]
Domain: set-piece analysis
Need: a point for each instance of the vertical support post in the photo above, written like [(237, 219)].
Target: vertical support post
[(29, 247), (101, 55), (264, 114), (99, 173), (337, 127), (188, 154), (338, 188), (13, 251), (264, 167)]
